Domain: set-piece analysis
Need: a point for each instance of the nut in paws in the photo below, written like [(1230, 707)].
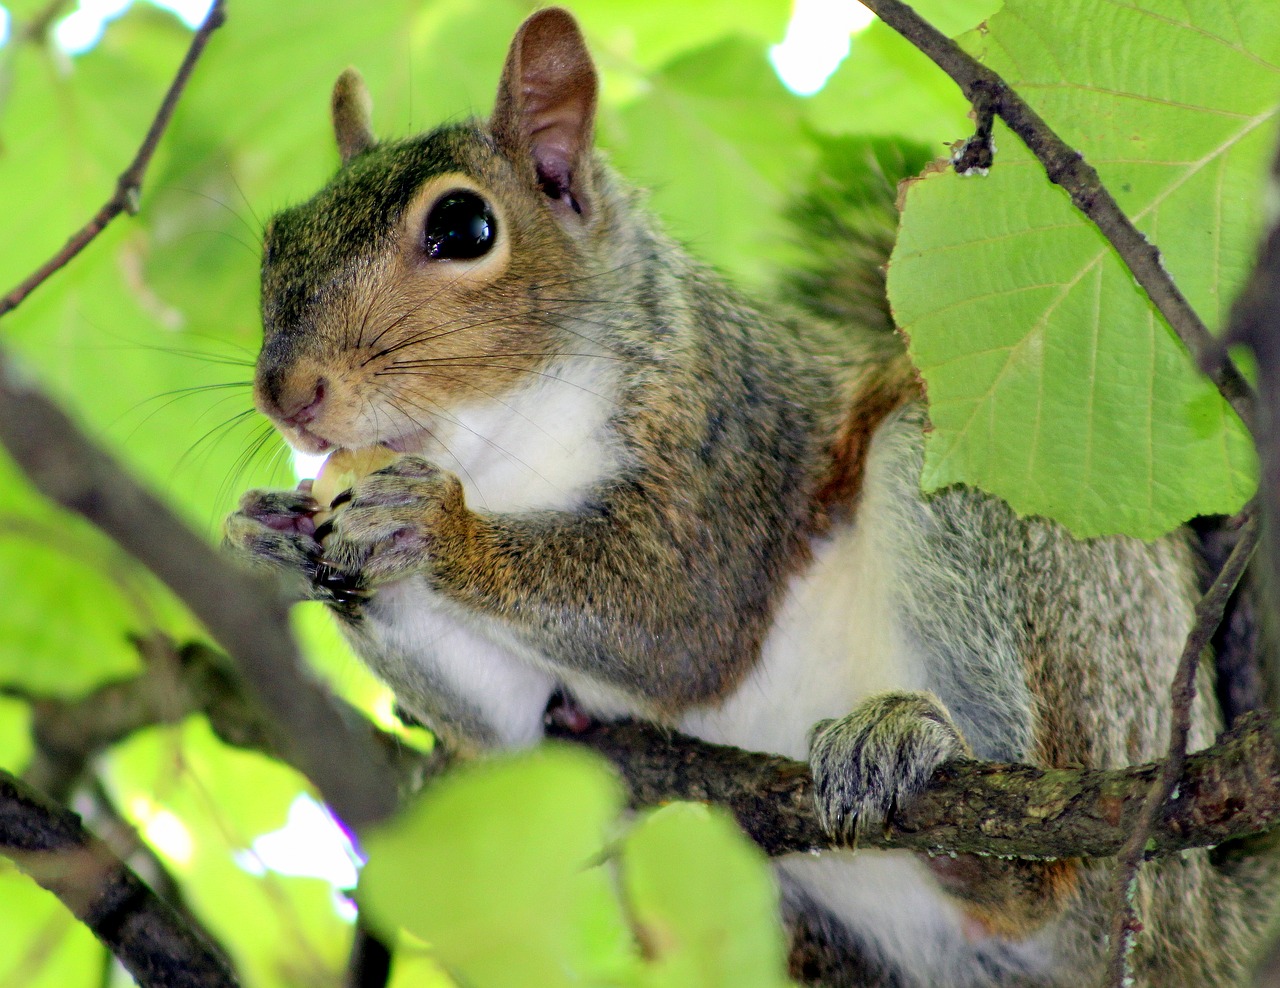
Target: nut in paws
[(402, 519)]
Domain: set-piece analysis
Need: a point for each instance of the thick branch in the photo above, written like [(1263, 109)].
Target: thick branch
[(1065, 166), (157, 945), (1229, 791)]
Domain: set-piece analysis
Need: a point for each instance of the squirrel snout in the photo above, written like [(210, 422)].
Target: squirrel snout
[(294, 398)]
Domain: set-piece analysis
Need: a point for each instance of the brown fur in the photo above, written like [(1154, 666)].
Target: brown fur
[(884, 389)]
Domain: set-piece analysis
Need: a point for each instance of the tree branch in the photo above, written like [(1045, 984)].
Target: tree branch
[(1229, 791), (155, 943), (129, 184), (1065, 166)]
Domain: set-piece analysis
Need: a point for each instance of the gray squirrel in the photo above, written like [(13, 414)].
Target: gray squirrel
[(609, 485)]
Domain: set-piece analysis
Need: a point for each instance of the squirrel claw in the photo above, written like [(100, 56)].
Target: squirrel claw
[(344, 591)]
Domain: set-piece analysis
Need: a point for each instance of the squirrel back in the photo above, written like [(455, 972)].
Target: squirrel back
[(626, 490)]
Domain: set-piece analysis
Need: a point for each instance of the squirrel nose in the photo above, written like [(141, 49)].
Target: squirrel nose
[(306, 409), (297, 398)]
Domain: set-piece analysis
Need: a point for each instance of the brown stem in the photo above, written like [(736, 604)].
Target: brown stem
[(129, 184), (1209, 613), (1065, 166)]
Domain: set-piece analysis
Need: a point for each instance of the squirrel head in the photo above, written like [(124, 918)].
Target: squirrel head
[(437, 270)]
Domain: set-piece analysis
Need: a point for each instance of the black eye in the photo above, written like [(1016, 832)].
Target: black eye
[(459, 227)]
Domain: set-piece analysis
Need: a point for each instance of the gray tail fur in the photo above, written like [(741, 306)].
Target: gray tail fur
[(846, 224)]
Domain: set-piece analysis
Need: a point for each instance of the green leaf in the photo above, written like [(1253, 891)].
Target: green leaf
[(15, 735), (1183, 151), (735, 167), (501, 853), (951, 17), (886, 86), (647, 34), (414, 968), (1052, 381), (43, 945), (704, 902)]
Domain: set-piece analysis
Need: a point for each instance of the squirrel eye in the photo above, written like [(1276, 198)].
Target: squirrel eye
[(460, 226)]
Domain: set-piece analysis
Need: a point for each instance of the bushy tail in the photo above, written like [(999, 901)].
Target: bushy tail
[(846, 223)]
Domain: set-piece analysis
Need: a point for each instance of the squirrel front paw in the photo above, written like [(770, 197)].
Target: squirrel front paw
[(275, 531), (875, 759), (405, 518)]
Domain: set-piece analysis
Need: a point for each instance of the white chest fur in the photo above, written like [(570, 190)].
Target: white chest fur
[(834, 642), (539, 447)]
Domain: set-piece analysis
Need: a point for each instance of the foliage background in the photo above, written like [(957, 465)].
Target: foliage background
[(149, 339)]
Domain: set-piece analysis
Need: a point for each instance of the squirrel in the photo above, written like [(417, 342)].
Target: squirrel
[(624, 490)]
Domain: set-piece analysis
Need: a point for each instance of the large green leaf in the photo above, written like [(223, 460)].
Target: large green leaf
[(1052, 381)]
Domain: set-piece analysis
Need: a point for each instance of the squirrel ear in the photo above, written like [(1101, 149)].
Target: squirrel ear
[(352, 111), (546, 106)]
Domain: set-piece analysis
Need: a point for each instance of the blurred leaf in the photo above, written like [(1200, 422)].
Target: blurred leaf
[(15, 736), (886, 86), (502, 853), (650, 34), (41, 944), (199, 802), (704, 901), (737, 166), (414, 968)]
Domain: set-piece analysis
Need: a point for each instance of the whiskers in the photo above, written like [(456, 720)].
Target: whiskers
[(210, 417)]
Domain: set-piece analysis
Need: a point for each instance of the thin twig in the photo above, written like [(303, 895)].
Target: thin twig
[(1065, 166), (1208, 616), (129, 184)]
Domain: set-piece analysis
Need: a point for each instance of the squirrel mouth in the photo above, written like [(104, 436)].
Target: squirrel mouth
[(302, 438)]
